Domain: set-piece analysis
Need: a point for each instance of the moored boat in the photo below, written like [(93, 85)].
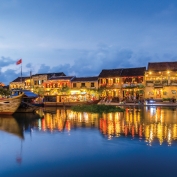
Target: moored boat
[(9, 105), (28, 103)]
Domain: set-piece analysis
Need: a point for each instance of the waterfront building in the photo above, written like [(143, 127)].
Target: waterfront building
[(84, 88), (2, 84), (71, 88), (20, 82), (125, 82), (58, 85), (110, 82), (161, 80), (37, 80), (33, 82), (133, 82)]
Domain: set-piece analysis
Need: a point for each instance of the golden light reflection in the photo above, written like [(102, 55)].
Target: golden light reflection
[(153, 124)]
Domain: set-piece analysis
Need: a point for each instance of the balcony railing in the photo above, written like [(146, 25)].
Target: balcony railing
[(113, 86), (174, 82), (132, 85)]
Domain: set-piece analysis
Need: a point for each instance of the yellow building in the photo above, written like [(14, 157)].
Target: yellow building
[(120, 83), (58, 84), (20, 82), (161, 80), (84, 88), (71, 89), (33, 83), (110, 83), (37, 80)]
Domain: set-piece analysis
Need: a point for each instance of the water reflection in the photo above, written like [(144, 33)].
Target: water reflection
[(62, 119), (10, 125), (152, 124), (149, 123)]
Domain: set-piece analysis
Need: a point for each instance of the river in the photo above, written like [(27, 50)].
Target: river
[(59, 142)]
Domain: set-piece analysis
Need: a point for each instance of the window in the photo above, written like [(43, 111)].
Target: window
[(92, 84), (74, 85), (82, 84), (35, 82), (173, 91)]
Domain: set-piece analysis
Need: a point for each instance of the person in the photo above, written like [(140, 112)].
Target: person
[(173, 99), (134, 99)]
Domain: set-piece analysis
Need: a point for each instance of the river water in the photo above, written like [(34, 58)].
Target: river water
[(58, 142)]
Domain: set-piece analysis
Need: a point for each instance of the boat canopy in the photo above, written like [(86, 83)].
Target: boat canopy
[(27, 93)]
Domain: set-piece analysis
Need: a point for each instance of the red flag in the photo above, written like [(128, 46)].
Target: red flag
[(19, 62)]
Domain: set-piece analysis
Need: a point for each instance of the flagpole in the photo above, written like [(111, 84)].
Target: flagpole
[(30, 79), (21, 76), (17, 63)]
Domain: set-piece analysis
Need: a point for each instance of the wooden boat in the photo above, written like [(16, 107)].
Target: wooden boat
[(26, 105), (26, 108), (9, 105)]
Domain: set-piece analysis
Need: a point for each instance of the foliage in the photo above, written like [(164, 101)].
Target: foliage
[(97, 108), (4, 92), (101, 89), (39, 91), (65, 89), (54, 91), (141, 86), (166, 99)]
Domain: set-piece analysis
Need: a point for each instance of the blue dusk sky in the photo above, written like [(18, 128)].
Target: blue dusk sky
[(82, 37)]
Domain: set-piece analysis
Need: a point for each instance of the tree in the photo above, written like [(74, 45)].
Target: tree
[(4, 92)]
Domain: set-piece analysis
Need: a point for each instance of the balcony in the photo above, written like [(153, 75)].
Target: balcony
[(158, 84), (174, 82), (164, 82), (132, 85), (149, 83), (113, 86)]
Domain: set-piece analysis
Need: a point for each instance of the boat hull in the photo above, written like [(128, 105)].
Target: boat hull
[(9, 105)]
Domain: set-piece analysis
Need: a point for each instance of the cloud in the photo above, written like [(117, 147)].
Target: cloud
[(6, 61), (44, 69), (29, 65), (8, 76), (91, 62), (9, 71)]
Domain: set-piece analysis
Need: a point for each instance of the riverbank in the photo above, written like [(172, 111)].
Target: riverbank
[(170, 104)]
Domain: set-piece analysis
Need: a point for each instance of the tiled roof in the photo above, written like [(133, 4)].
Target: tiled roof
[(133, 71), (162, 66), (110, 73), (85, 79), (51, 74), (18, 79), (61, 78), (123, 72)]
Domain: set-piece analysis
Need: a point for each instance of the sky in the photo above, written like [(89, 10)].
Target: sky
[(82, 37)]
